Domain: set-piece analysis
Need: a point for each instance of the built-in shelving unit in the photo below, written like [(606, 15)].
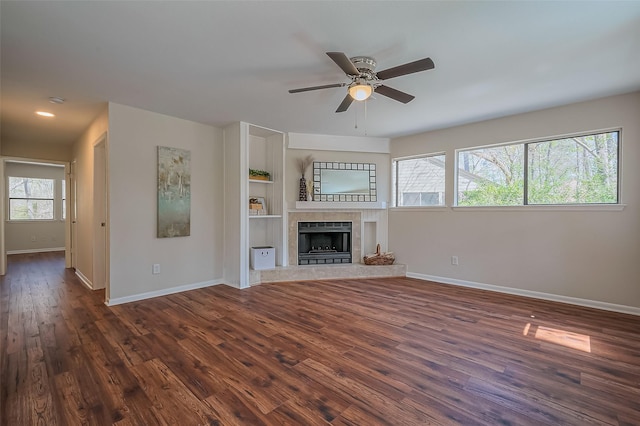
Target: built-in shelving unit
[(252, 147)]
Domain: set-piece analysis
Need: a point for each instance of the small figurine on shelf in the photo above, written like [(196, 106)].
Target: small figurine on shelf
[(303, 164), (257, 206)]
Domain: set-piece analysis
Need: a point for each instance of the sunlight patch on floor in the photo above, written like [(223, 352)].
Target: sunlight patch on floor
[(581, 342)]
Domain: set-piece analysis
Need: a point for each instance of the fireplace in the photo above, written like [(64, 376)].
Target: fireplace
[(322, 243)]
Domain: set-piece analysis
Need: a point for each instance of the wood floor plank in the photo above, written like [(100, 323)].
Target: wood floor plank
[(71, 404), (170, 398), (387, 351), (234, 410)]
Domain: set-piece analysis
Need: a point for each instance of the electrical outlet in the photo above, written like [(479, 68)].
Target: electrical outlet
[(33, 238), (156, 268), (454, 260)]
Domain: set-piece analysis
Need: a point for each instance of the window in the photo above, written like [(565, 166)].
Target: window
[(572, 170), (30, 198), (419, 181)]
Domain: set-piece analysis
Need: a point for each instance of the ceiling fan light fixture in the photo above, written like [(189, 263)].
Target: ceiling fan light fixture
[(360, 91)]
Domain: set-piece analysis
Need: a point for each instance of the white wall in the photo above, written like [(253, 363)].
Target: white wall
[(592, 255), (48, 234), (39, 150), (196, 260)]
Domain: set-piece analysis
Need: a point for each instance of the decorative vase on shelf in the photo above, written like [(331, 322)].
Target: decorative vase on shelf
[(309, 190), (303, 164), (302, 195)]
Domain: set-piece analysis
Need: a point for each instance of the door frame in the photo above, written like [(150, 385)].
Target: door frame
[(3, 208), (72, 213), (100, 215)]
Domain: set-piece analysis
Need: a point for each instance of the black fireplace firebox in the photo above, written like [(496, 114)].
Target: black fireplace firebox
[(322, 243)]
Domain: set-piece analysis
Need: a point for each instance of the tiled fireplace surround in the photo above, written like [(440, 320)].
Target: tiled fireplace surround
[(356, 230), (293, 272)]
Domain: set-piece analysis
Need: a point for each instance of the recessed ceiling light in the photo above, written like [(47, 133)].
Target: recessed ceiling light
[(56, 100), (45, 114)]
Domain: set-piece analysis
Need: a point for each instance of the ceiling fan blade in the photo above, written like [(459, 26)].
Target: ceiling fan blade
[(346, 102), (416, 66), (326, 86), (394, 94), (344, 63)]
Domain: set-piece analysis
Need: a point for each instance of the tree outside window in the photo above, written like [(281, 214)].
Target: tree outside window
[(31, 198), (573, 170)]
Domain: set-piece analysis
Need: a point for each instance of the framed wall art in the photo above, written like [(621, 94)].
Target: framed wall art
[(174, 192)]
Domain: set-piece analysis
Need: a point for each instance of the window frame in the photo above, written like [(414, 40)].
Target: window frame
[(9, 198), (63, 199), (394, 181), (618, 205)]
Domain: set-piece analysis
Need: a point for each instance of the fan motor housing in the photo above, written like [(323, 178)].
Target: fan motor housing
[(364, 63)]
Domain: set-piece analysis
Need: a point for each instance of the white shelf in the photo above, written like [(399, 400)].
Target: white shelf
[(259, 181), (264, 216), (341, 205)]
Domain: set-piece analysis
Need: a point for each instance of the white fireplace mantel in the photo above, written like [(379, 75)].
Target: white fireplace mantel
[(341, 205)]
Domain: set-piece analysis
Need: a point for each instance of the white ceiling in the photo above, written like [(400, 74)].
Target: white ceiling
[(219, 62)]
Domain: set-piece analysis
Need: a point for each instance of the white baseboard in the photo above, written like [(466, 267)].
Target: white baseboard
[(84, 280), (163, 292), (528, 293), (40, 250)]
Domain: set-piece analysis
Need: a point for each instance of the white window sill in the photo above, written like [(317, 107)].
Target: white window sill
[(528, 208), (419, 208), (32, 221), (549, 207)]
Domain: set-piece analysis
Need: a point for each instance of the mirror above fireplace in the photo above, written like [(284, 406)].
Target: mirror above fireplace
[(349, 182)]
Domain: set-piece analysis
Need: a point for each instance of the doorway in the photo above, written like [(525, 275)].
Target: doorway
[(38, 204)]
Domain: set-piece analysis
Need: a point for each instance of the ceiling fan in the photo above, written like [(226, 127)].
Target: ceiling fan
[(365, 80)]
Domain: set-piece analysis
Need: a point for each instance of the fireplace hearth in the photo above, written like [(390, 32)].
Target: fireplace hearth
[(321, 243)]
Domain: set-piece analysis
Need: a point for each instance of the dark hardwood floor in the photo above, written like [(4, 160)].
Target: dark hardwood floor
[(344, 352)]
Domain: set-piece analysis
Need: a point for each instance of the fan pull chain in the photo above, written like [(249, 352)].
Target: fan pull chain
[(365, 117), (356, 112)]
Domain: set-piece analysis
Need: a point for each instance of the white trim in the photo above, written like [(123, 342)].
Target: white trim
[(341, 205), (419, 208), (527, 208), (528, 293), (546, 207), (40, 250), (84, 280), (163, 292)]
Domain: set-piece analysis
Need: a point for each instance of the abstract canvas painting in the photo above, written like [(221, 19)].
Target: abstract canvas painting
[(174, 192)]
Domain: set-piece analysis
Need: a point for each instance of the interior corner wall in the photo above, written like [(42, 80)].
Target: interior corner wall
[(375, 221), (590, 255), (82, 154), (191, 261)]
